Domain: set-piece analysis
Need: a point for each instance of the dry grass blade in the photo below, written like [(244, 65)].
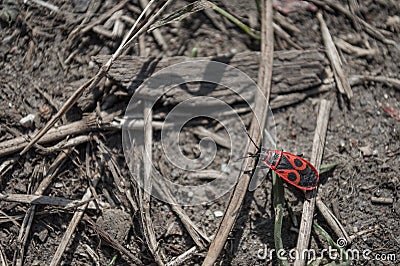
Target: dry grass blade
[(265, 76), (333, 222), (316, 158), (355, 19), (71, 228), (80, 210), (83, 29), (38, 199), (3, 259), (111, 241), (333, 55), (285, 36), (182, 13), (198, 236), (90, 84), (156, 33), (183, 257), (144, 196), (27, 222), (50, 6), (358, 79)]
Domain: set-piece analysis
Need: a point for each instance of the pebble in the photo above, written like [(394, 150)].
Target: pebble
[(209, 215), (218, 214), (27, 121), (42, 235)]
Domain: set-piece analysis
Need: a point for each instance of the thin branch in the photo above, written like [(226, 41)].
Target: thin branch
[(333, 222), (316, 158), (71, 227), (88, 123), (144, 196), (340, 77), (265, 76), (183, 257)]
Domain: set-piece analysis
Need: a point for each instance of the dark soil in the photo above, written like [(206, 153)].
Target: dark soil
[(40, 68)]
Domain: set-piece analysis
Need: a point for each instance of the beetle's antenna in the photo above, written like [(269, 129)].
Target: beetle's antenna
[(252, 139), (247, 156)]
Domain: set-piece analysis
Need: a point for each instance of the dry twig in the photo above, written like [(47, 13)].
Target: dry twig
[(374, 32), (88, 123), (198, 236), (71, 227), (316, 158), (357, 79), (331, 219), (354, 50), (83, 29), (90, 84), (183, 257), (340, 76), (27, 222), (144, 194), (111, 241), (265, 74)]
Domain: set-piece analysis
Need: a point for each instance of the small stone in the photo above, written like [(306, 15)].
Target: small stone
[(209, 215), (58, 185), (375, 130), (218, 214), (224, 168), (366, 150), (42, 235), (27, 121), (91, 64), (342, 146)]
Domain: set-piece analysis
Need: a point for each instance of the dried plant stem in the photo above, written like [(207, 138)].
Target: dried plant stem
[(316, 158), (340, 77), (333, 222), (232, 211), (236, 21), (71, 227), (144, 194), (27, 222), (90, 84)]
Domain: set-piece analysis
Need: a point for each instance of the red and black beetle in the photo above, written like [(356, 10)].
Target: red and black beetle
[(292, 168)]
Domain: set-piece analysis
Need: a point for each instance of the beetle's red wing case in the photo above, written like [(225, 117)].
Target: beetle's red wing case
[(292, 168)]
